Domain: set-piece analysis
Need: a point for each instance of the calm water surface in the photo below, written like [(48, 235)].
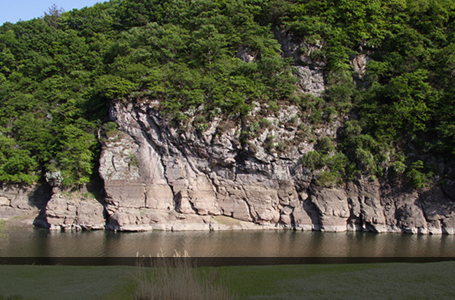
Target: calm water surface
[(34, 242)]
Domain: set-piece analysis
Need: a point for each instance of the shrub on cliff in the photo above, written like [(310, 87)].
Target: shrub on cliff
[(219, 58)]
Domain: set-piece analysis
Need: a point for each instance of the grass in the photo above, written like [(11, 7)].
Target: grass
[(179, 282), (176, 279), (378, 281), (325, 281), (64, 282)]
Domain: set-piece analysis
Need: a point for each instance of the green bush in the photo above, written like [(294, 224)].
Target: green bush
[(399, 167), (313, 160), (329, 179), (269, 142), (264, 123), (325, 145), (110, 129), (273, 106), (133, 160), (419, 178), (281, 147), (59, 72)]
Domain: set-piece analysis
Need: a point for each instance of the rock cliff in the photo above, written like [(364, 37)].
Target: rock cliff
[(233, 173), (158, 177)]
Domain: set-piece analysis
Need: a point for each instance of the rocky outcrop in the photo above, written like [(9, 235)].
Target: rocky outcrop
[(308, 62), (47, 207), (73, 212), (158, 177), (22, 203), (232, 173)]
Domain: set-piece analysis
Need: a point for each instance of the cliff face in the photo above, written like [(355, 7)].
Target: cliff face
[(23, 202), (235, 173), (157, 177)]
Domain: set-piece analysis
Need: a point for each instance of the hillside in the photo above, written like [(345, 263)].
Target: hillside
[(303, 97)]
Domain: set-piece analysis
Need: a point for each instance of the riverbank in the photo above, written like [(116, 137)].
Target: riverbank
[(323, 281)]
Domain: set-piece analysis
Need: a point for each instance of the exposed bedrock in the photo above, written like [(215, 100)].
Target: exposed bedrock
[(47, 207), (69, 212), (23, 203), (157, 177)]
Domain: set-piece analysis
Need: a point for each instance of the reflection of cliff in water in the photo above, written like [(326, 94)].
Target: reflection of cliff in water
[(26, 242)]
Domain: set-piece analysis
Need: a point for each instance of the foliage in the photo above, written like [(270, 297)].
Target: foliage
[(57, 73), (333, 166), (264, 123), (281, 147), (133, 159), (418, 178)]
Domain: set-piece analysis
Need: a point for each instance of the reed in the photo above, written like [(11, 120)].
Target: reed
[(176, 278)]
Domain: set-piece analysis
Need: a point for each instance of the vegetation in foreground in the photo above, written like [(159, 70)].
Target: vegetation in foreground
[(341, 281), (178, 281)]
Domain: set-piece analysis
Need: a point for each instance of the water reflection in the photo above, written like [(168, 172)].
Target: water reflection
[(28, 242)]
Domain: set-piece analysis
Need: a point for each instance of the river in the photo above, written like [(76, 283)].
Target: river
[(35, 242)]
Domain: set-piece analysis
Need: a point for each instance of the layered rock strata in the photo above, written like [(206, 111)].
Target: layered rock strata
[(72, 212), (23, 203), (160, 177), (157, 177), (47, 207)]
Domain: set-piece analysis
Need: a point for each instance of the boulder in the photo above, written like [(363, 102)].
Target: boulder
[(73, 211)]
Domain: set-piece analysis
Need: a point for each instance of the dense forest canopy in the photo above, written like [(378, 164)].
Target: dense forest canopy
[(57, 73)]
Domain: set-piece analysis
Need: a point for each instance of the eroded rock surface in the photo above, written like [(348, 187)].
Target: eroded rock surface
[(189, 180), (23, 202), (231, 174), (70, 212)]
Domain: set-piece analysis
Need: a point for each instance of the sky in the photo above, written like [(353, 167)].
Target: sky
[(15, 10)]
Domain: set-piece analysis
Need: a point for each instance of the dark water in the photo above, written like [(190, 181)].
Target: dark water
[(30, 242)]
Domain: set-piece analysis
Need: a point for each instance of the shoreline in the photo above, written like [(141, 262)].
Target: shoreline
[(217, 223)]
